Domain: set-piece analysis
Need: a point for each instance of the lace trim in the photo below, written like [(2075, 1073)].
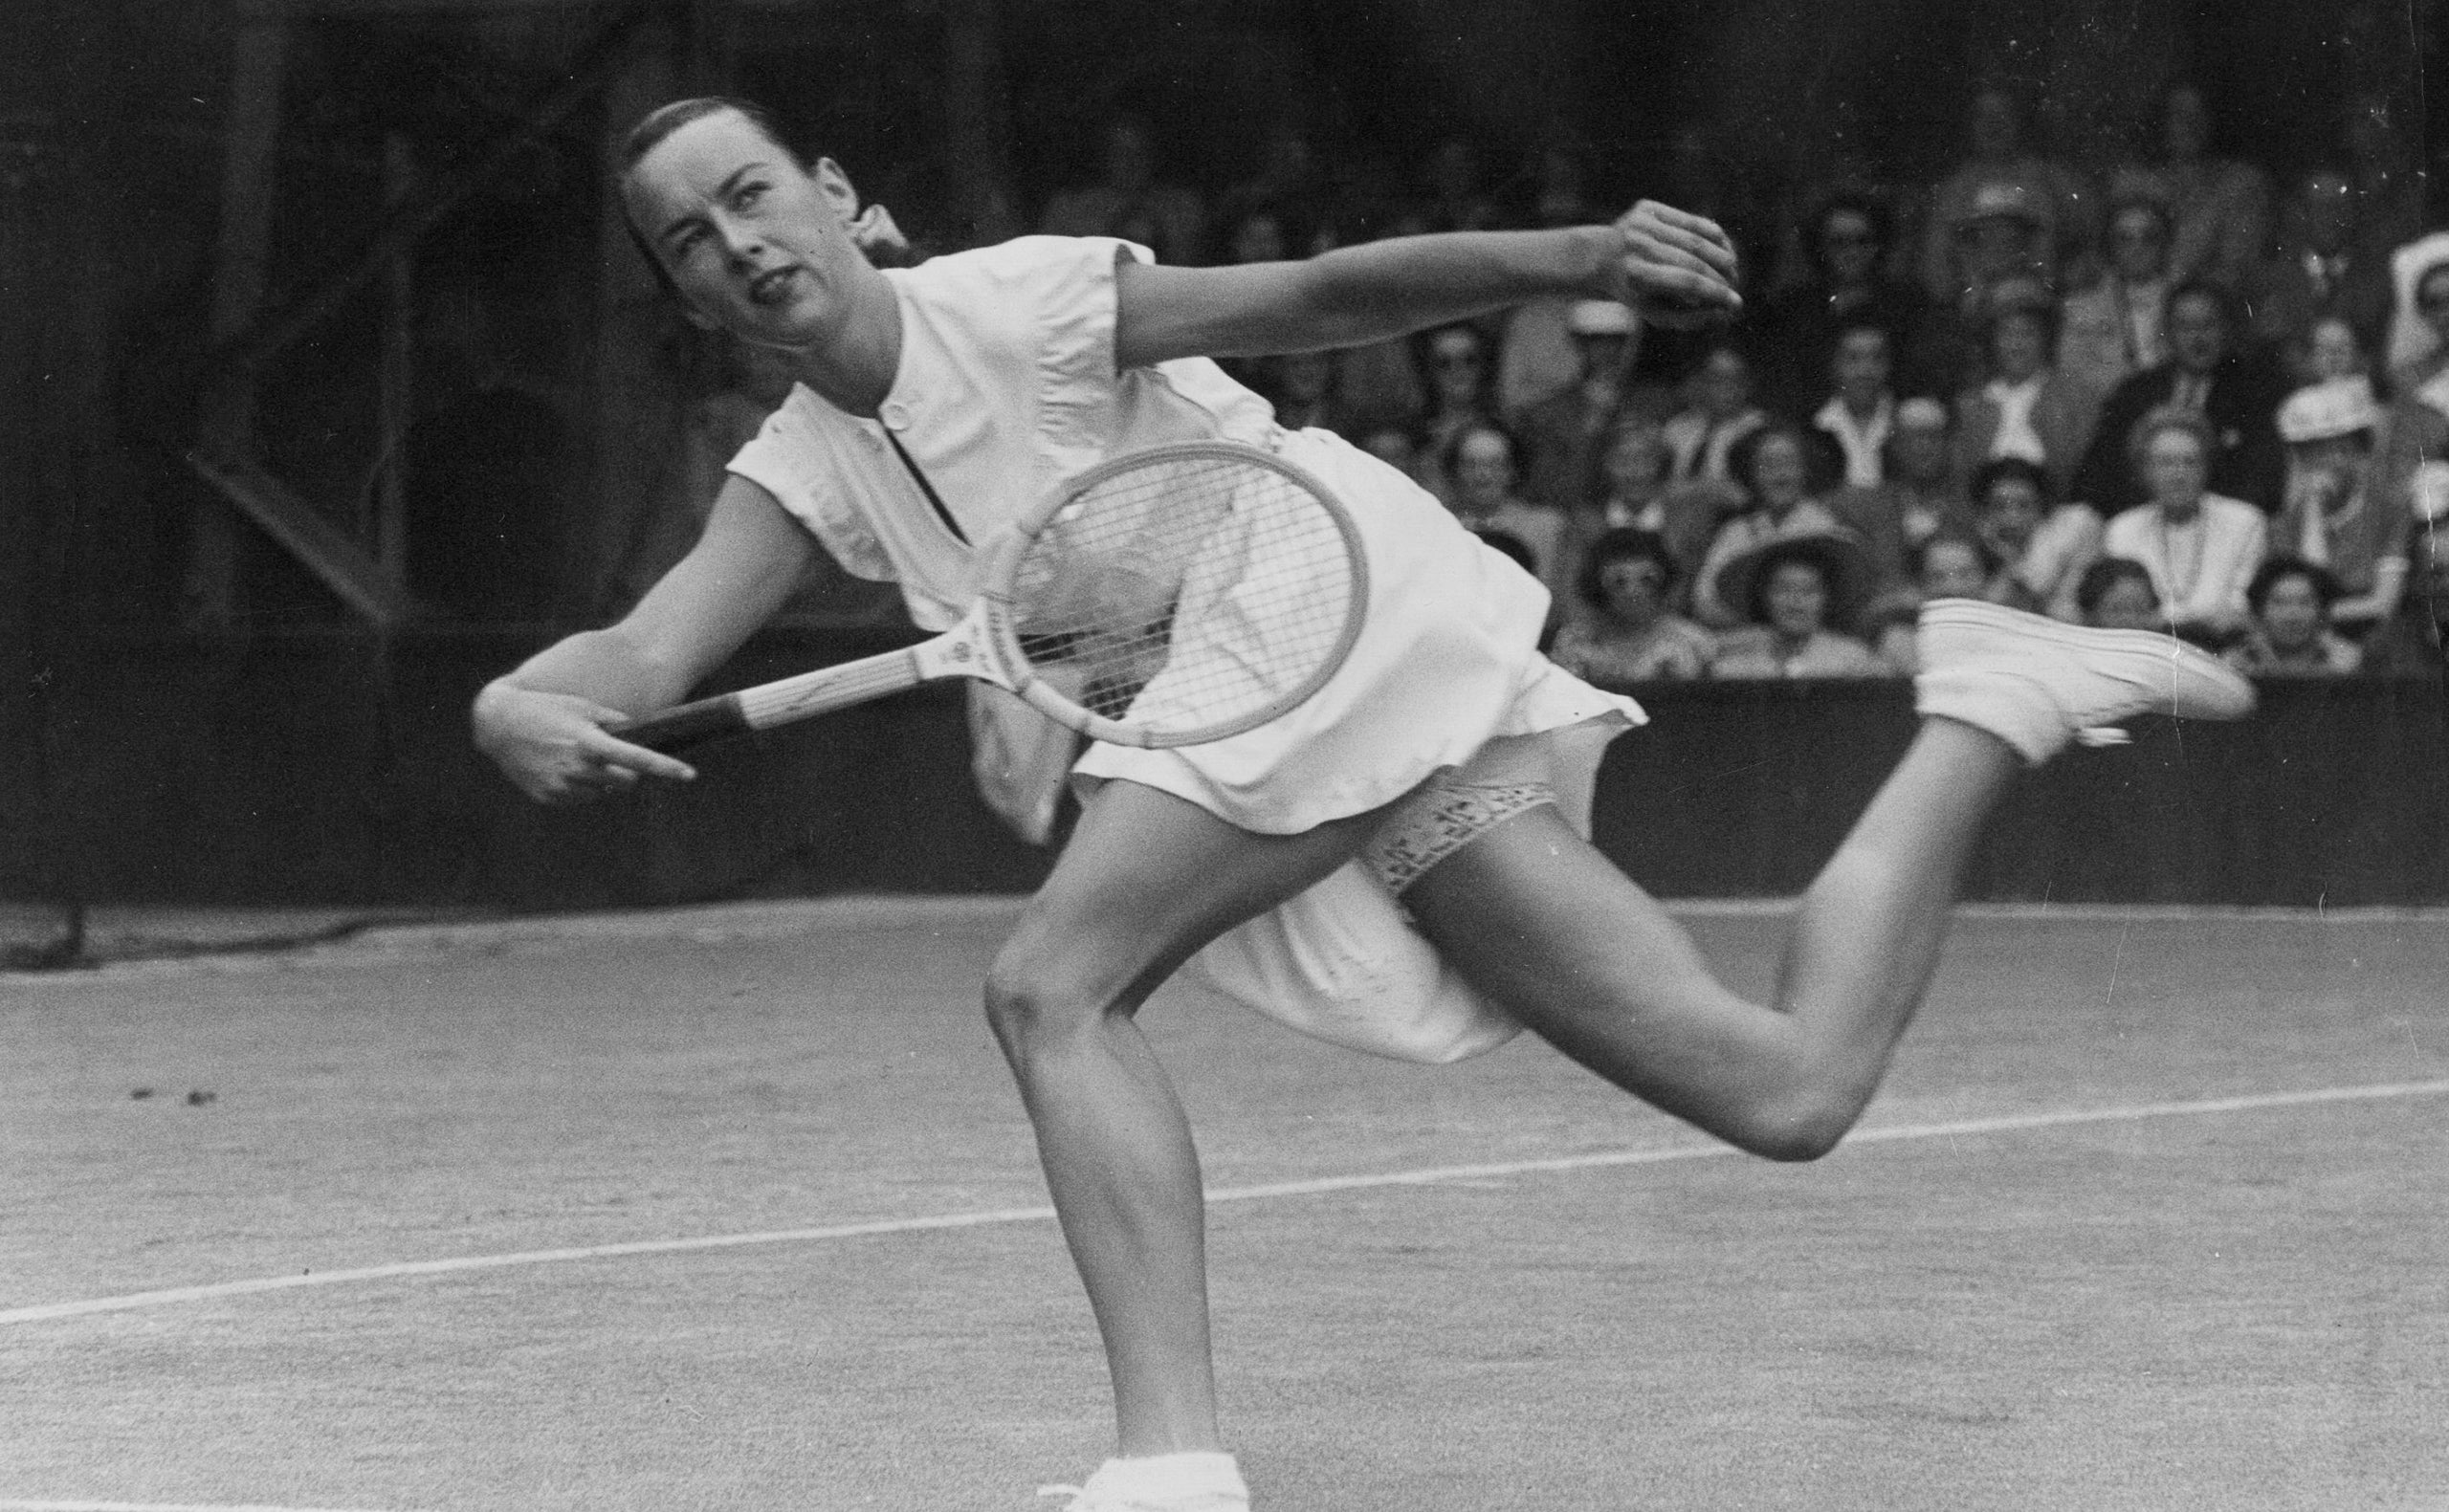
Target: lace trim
[(1441, 820)]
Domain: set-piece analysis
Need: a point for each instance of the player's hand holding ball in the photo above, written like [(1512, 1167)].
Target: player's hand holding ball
[(553, 748), (1676, 268)]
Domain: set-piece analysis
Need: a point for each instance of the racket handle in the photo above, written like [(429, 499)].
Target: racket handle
[(684, 725), (775, 703)]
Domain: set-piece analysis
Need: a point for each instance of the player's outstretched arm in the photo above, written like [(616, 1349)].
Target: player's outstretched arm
[(1673, 267), (544, 722)]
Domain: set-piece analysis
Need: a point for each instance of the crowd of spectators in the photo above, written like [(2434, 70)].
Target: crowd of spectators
[(2183, 395)]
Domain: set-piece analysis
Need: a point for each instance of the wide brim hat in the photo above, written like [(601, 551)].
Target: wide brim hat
[(2325, 411), (1844, 564)]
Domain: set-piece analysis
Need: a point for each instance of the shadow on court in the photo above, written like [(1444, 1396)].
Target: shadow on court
[(735, 1209)]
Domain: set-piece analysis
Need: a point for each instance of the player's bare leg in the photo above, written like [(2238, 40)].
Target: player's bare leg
[(1543, 924), (1146, 880)]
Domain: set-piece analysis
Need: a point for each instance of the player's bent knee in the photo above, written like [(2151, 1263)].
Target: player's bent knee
[(1037, 996)]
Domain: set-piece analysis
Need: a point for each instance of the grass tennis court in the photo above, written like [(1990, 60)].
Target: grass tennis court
[(735, 1208)]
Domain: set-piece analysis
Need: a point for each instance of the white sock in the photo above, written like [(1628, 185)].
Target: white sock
[(2014, 711), (1191, 1472)]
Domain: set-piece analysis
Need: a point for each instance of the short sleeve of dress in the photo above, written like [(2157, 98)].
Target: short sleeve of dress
[(792, 458), (1059, 292)]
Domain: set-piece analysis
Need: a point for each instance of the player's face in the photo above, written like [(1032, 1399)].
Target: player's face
[(2291, 613), (758, 246), (1952, 570), (1796, 599), (2177, 470)]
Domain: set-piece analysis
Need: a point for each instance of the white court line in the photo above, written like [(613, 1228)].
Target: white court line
[(142, 1506), (1430, 1175)]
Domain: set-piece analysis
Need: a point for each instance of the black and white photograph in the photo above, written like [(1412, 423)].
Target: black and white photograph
[(1224, 755)]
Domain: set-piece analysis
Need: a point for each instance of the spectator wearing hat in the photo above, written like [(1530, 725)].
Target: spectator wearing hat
[(1861, 415), (2335, 517), (2415, 642), (1628, 631), (2116, 594), (2001, 211), (1718, 415), (1801, 594), (1793, 335), (2236, 393), (2289, 634), (1916, 498), (2320, 269), (1564, 432), (2042, 545), (2025, 407), (2220, 208), (2117, 326), (1777, 469), (2202, 548)]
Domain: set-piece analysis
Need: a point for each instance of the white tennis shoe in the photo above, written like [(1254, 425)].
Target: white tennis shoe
[(1207, 1484), (2037, 683)]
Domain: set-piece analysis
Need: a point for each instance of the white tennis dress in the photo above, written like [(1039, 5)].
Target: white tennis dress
[(1007, 388)]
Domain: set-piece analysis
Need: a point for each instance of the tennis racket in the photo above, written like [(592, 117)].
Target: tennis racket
[(1177, 595)]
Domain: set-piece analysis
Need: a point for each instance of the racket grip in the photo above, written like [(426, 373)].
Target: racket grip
[(685, 725)]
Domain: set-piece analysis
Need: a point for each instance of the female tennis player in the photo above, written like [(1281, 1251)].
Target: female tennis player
[(935, 401)]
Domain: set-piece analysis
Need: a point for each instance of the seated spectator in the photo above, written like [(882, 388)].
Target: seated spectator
[(2332, 348), (2116, 594), (1796, 593), (2236, 395), (1454, 360), (2007, 237), (2025, 408), (1537, 356), (1950, 565), (1860, 414), (1301, 385), (1128, 200), (2320, 269), (2117, 326), (1774, 469), (2336, 518), (1565, 431), (2041, 550), (1917, 499), (1627, 633), (2427, 297), (2001, 211), (1396, 446), (1287, 184), (1480, 468), (2220, 207), (2289, 634), (1635, 494), (1718, 416), (1794, 333), (2200, 548), (2415, 642)]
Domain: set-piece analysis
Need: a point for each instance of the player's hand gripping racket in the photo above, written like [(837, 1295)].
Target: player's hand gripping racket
[(1178, 595)]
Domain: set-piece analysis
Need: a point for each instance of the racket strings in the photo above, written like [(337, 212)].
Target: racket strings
[(1186, 594)]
